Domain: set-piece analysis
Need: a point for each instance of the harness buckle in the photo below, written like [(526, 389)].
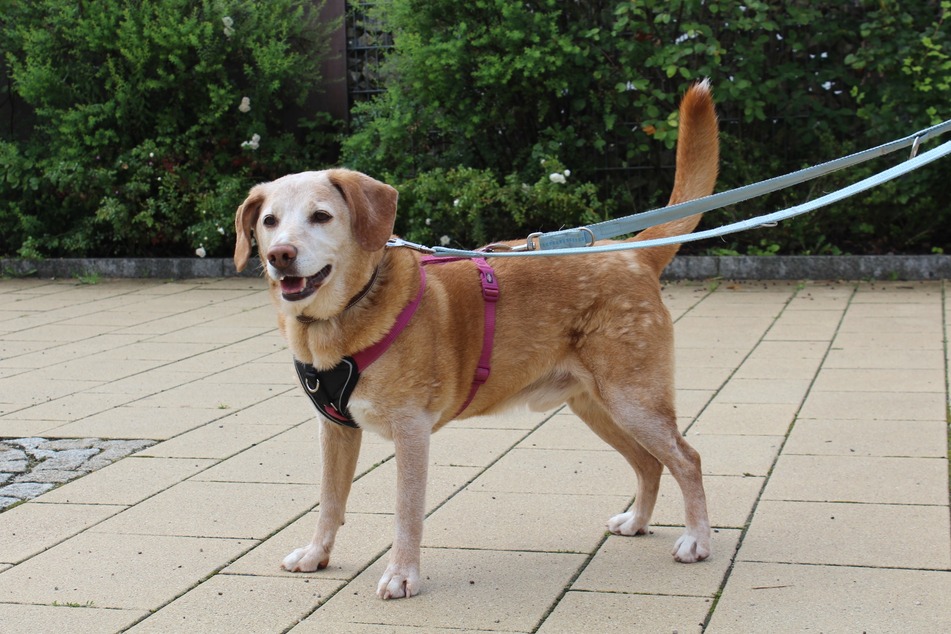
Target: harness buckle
[(481, 375)]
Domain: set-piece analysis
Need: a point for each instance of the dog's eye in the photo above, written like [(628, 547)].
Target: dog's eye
[(320, 217), (269, 221)]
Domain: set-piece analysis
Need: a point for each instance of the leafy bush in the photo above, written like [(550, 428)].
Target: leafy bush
[(464, 206), (140, 124), (491, 85)]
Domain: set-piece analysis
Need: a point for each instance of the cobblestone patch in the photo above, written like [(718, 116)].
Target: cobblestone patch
[(32, 466)]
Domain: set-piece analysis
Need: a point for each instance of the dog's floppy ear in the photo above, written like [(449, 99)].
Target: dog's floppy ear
[(245, 218), (372, 207)]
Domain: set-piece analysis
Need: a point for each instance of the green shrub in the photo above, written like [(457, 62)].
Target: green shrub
[(141, 124), (464, 207), (491, 85)]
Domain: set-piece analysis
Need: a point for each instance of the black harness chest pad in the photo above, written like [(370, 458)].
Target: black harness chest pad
[(330, 390)]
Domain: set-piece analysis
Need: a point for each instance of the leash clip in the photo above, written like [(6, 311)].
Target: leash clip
[(399, 242), (914, 147)]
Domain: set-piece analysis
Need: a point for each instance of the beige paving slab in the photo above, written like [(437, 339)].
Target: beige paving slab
[(885, 358), (790, 391), (132, 572), (211, 394), (754, 419), (12, 427), (700, 356), (874, 406), (565, 431), (690, 403), (234, 603), (735, 455), (859, 479), (730, 500), (764, 597), (286, 458), (467, 447), (876, 535), (559, 471), (916, 439), (127, 481), (931, 339), (360, 541), (644, 565), (74, 406), (66, 618), (136, 422), (29, 529), (246, 510), (522, 521), (772, 366), (879, 380), (891, 324), (462, 589), (217, 440), (375, 492), (699, 378), (632, 613)]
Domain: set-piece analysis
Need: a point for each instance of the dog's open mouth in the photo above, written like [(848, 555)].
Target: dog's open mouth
[(297, 288)]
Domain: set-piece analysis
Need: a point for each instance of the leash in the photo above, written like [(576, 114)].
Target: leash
[(581, 240)]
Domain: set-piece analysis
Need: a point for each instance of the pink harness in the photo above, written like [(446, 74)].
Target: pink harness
[(330, 390)]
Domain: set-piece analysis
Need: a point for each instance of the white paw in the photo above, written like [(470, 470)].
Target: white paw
[(688, 549), (307, 559), (399, 581), (627, 524)]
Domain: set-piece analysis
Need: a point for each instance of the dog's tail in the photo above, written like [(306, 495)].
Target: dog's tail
[(698, 159)]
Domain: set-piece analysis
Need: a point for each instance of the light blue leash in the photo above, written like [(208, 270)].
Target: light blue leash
[(579, 241)]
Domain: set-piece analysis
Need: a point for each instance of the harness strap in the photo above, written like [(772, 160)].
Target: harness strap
[(490, 296)]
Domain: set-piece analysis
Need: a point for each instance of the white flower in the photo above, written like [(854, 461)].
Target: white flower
[(245, 105), (228, 31), (151, 154), (429, 221), (221, 230), (445, 240), (254, 143), (567, 173), (556, 177), (455, 203), (200, 252), (227, 21)]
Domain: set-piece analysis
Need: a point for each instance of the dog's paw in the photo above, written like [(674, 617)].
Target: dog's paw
[(398, 582), (627, 524), (307, 559), (688, 549)]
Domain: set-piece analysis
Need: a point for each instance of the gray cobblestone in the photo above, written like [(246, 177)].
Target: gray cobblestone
[(32, 466)]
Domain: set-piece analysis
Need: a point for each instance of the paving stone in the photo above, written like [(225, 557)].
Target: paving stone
[(25, 490)]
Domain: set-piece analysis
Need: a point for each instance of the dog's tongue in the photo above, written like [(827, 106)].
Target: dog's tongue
[(291, 285)]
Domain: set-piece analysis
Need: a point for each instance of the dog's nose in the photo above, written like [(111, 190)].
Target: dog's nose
[(281, 256)]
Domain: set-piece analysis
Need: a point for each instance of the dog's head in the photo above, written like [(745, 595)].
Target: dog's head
[(318, 234)]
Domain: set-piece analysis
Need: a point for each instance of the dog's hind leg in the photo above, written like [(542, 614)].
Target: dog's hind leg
[(654, 426), (339, 450), (646, 466)]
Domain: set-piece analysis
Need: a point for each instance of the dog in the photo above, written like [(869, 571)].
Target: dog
[(587, 330)]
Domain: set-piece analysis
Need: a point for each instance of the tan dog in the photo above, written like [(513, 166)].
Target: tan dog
[(589, 330)]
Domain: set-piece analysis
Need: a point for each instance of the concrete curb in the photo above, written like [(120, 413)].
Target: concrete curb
[(780, 267)]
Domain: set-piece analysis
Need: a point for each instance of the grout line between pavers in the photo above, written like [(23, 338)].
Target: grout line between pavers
[(779, 452)]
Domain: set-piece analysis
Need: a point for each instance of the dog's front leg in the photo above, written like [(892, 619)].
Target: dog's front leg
[(339, 450), (401, 578)]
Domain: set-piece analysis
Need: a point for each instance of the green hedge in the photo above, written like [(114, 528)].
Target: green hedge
[(138, 126), (494, 85), (124, 131)]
